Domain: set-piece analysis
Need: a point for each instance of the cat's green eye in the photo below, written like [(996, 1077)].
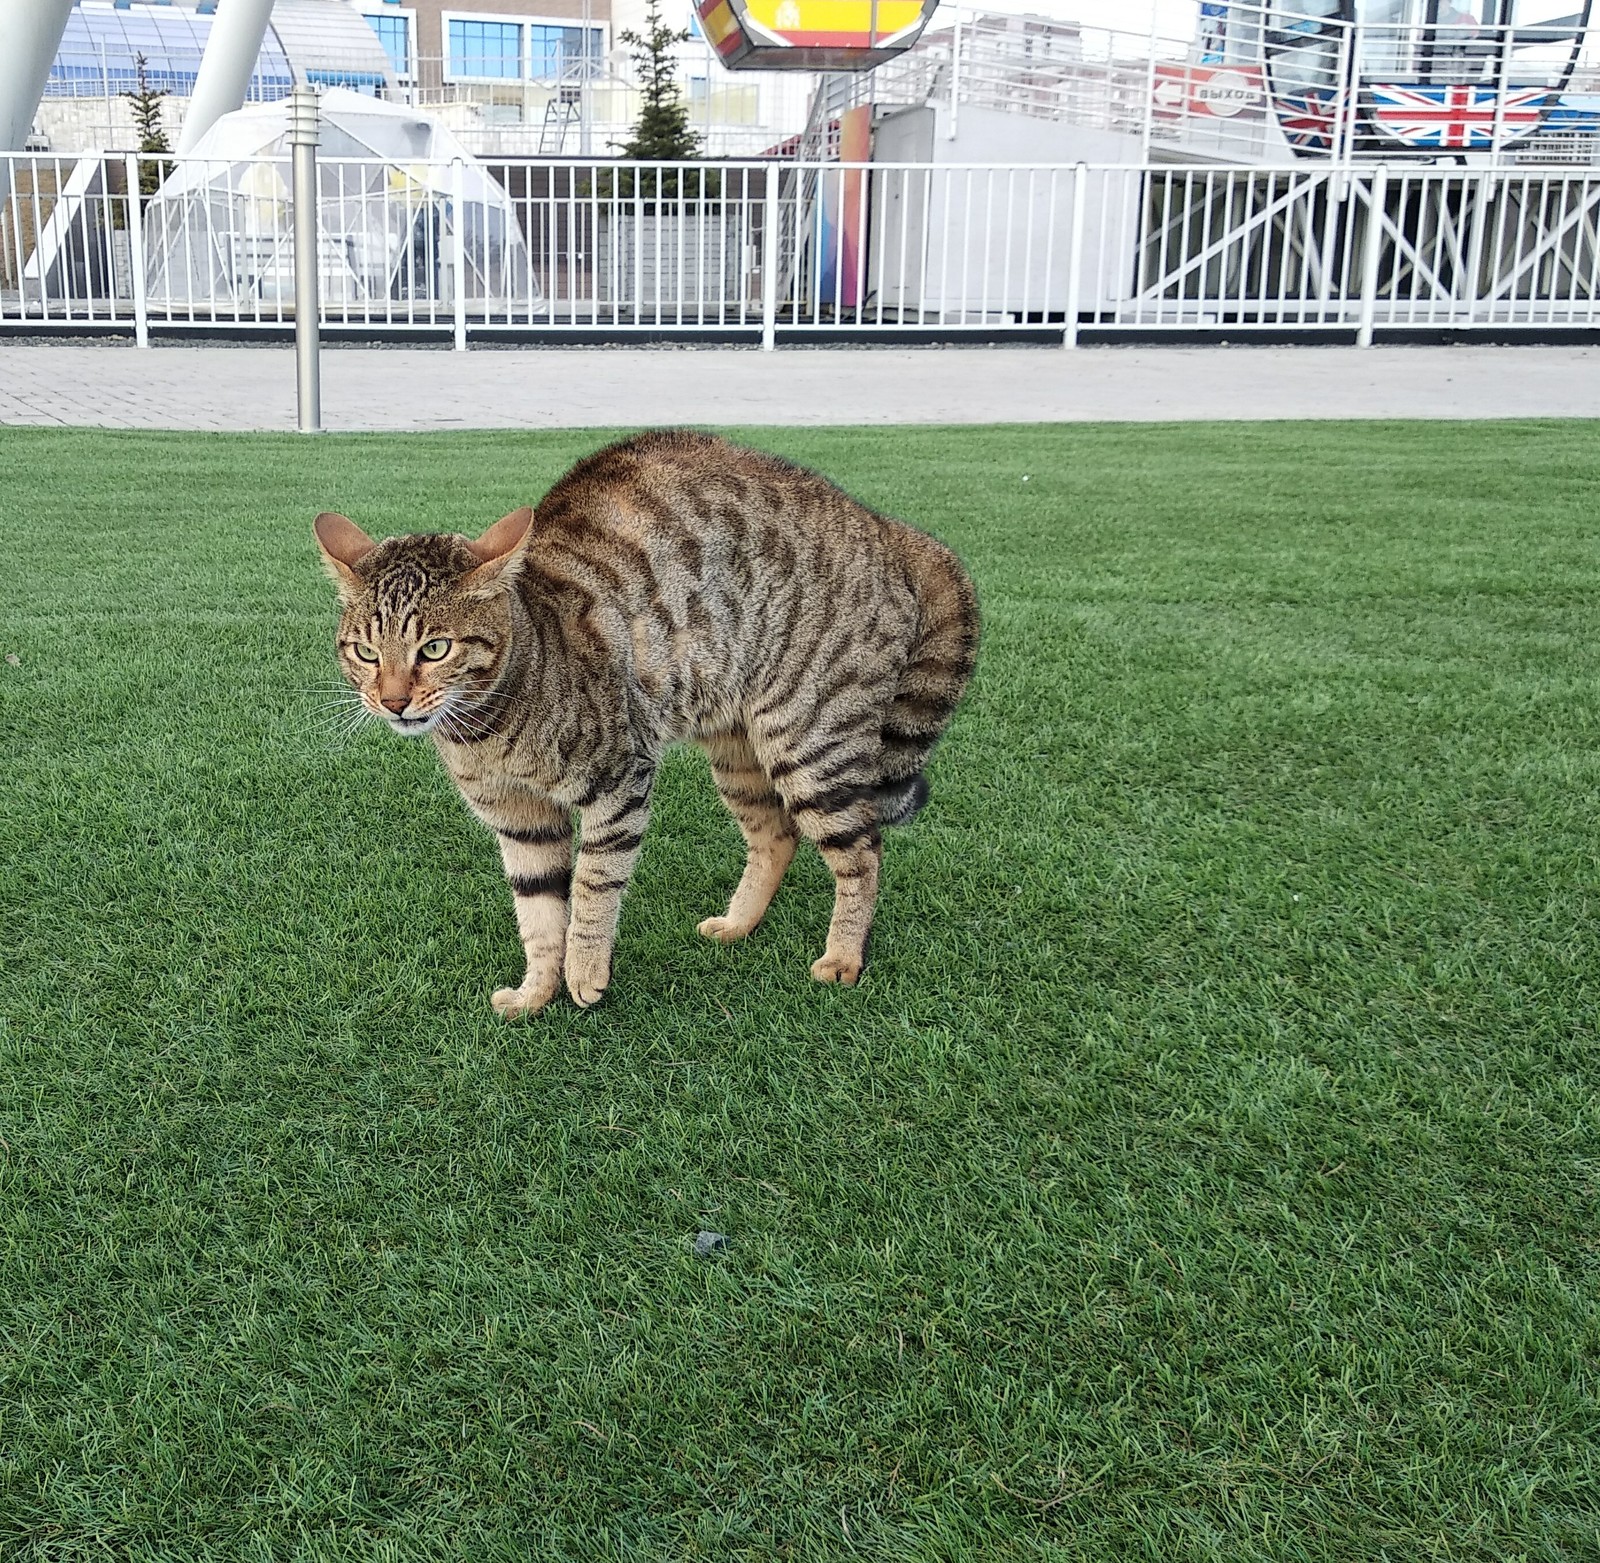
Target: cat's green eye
[(433, 650), (365, 653)]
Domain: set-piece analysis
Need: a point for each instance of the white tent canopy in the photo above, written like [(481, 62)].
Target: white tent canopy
[(219, 231)]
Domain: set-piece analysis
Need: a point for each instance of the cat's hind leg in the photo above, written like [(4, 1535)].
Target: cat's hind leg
[(770, 834), (855, 865), (828, 782)]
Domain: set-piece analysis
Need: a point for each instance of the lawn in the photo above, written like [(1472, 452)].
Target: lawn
[(1206, 1168)]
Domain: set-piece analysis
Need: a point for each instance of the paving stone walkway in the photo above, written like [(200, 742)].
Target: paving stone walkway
[(114, 385)]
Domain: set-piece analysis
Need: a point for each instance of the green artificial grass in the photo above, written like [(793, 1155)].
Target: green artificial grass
[(1206, 1168)]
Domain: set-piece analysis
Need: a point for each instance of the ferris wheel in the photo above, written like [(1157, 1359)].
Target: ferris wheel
[(1412, 77), (812, 35)]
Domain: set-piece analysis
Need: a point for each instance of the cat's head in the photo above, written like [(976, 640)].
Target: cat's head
[(425, 621)]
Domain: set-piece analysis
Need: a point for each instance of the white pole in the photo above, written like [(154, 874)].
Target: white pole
[(1351, 56), (586, 83), (769, 262), (458, 184), (141, 314), (226, 66), (303, 135), (1371, 251), (1080, 180), (955, 79), (1149, 114), (1497, 138), (30, 34)]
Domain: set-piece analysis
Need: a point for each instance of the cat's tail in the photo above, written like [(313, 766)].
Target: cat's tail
[(931, 686)]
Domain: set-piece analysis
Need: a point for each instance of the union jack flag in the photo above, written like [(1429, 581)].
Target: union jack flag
[(1308, 119), (1455, 116)]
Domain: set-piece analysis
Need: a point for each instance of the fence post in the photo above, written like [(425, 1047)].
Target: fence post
[(1497, 137), (1080, 181), (141, 316), (1484, 186), (955, 77), (105, 92), (1147, 116), (1372, 251), (458, 183), (769, 262), (1351, 55), (307, 316)]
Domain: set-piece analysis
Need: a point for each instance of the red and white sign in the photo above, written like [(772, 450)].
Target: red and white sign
[(1211, 91)]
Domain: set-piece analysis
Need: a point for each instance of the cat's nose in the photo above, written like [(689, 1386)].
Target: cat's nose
[(397, 704)]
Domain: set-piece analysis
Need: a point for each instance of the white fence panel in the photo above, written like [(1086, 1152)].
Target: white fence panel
[(791, 251)]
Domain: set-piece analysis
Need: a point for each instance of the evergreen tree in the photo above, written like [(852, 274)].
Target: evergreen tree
[(662, 130), (147, 126)]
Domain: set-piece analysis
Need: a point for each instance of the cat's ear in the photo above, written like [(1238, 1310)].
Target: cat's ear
[(499, 548), (344, 545)]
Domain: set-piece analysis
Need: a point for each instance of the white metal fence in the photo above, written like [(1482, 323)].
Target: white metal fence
[(1270, 83), (774, 252)]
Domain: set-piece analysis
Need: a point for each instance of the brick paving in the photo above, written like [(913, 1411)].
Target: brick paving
[(115, 385)]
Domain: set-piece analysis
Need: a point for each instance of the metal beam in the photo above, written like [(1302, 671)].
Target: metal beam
[(30, 35), (226, 67)]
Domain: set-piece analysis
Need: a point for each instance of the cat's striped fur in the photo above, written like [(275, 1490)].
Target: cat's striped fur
[(672, 587)]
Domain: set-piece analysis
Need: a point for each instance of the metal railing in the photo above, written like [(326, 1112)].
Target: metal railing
[(1260, 83), (772, 251), (86, 104), (1264, 83)]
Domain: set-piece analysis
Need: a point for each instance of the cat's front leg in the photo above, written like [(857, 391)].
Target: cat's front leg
[(537, 853), (611, 827)]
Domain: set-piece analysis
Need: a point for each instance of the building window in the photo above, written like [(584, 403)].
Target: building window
[(557, 51), (487, 49), (394, 33)]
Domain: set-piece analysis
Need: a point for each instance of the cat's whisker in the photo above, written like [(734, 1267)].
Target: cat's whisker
[(328, 701), (320, 698), (352, 702), (466, 714), (342, 722), (326, 718), (463, 723), (463, 717), (346, 735)]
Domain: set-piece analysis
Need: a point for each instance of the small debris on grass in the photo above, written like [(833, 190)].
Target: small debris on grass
[(13, 659), (708, 1243)]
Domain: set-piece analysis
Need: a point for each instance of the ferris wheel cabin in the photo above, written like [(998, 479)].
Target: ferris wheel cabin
[(1390, 78)]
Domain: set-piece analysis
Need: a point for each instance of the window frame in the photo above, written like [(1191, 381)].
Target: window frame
[(572, 24), (447, 18), (381, 10), (524, 22)]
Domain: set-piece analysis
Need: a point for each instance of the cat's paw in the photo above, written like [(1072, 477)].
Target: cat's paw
[(588, 975), (833, 967), (723, 929), (513, 1003)]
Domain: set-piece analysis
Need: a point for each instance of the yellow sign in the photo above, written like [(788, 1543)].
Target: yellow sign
[(812, 34)]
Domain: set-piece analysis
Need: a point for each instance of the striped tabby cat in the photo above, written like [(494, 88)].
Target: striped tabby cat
[(672, 587)]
